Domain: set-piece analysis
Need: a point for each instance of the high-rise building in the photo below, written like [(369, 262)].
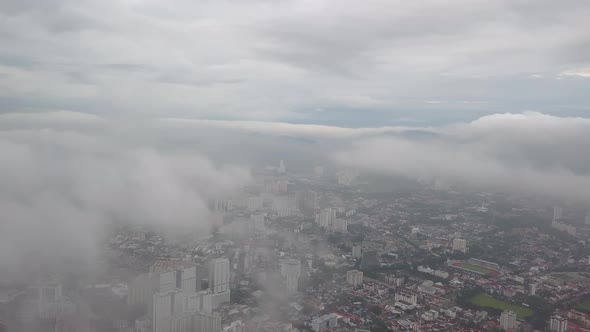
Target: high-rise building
[(558, 324), (254, 203), (45, 301), (165, 306), (588, 219), (176, 311), (357, 251), (282, 168), (325, 322), (284, 206), (164, 275), (557, 213), (460, 245), (219, 275), (184, 279), (406, 297), (354, 277), (508, 321), (196, 322), (325, 218), (290, 271)]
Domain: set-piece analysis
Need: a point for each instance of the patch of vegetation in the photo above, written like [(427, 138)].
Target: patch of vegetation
[(584, 306), (487, 301)]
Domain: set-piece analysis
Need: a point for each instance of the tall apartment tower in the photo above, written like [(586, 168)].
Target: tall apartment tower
[(459, 245), (558, 324), (219, 275), (290, 271), (557, 213), (508, 321)]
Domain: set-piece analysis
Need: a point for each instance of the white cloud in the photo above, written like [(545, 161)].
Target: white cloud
[(286, 129), (584, 72), (61, 189), (51, 119), (529, 152), (269, 60)]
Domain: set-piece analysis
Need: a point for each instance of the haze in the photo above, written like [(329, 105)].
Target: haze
[(204, 125)]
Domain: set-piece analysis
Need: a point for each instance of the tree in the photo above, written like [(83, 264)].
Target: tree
[(376, 310)]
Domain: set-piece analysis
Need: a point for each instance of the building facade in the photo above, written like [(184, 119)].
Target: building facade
[(558, 324), (508, 321), (354, 277), (219, 275), (459, 245), (290, 272)]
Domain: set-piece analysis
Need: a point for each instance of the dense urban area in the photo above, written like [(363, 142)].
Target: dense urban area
[(322, 251)]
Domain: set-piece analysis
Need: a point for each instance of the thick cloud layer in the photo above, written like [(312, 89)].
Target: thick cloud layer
[(529, 152), (285, 129), (293, 59), (60, 189)]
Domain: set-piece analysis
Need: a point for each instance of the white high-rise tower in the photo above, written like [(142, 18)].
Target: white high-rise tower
[(508, 321), (290, 271), (282, 168), (557, 213), (219, 275)]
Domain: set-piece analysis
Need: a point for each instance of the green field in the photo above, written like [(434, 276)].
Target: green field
[(476, 268), (584, 306), (487, 301)]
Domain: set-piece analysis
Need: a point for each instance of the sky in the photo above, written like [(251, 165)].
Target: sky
[(330, 62), (145, 110)]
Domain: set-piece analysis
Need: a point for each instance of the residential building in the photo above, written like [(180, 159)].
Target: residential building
[(325, 218), (357, 251), (196, 322), (219, 275), (165, 306), (164, 275), (508, 321), (284, 206), (406, 297), (558, 324), (459, 245), (354, 277), (282, 168), (290, 272), (557, 213), (325, 322)]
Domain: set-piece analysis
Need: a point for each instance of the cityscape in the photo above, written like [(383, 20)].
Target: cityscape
[(294, 166), (316, 252)]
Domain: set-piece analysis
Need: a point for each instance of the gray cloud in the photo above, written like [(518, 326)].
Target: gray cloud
[(269, 60), (529, 152), (61, 188), (287, 129)]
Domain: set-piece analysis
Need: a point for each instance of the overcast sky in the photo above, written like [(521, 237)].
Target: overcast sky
[(331, 62)]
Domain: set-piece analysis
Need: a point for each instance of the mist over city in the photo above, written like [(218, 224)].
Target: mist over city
[(294, 165)]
